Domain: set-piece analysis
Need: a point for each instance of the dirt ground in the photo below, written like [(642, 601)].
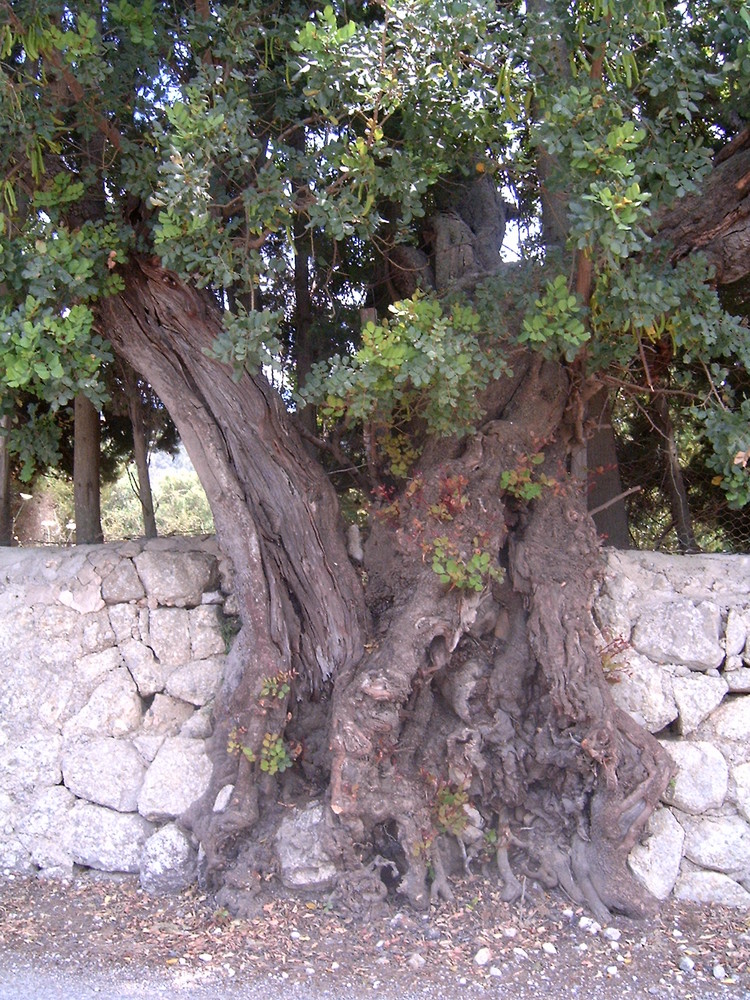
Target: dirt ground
[(540, 948)]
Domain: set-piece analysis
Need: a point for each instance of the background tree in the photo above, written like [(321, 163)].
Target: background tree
[(248, 151)]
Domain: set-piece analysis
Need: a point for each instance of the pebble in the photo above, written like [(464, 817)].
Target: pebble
[(719, 972), (494, 971), (686, 964), (590, 925), (483, 956), (612, 970), (416, 961), (510, 932), (549, 948), (612, 934), (520, 953)]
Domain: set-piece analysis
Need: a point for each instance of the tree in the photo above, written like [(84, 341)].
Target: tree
[(452, 694), (86, 455)]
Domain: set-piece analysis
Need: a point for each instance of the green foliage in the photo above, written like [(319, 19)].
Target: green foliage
[(35, 443), (729, 434), (423, 364), (180, 506), (555, 325), (274, 754), (272, 132), (521, 482), (450, 816), (277, 686), (471, 573), (235, 744)]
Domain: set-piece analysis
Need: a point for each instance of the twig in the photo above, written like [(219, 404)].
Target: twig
[(614, 500)]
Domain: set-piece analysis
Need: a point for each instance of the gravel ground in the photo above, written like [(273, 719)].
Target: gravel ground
[(95, 938)]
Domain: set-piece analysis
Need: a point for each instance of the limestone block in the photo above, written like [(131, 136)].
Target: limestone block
[(711, 887), (169, 862), (148, 744), (59, 628), (200, 725), (656, 861), (43, 830), (14, 857), (729, 729), (122, 584), (223, 798), (720, 843), (738, 681), (300, 848), (679, 631), (177, 578), (96, 666), (124, 620), (114, 708), (149, 674), (106, 840), (702, 777), (84, 599), (741, 782), (697, 696), (97, 633), (735, 633), (105, 771), (197, 682), (166, 715), (169, 636), (31, 764), (645, 692), (9, 813), (206, 637), (179, 775)]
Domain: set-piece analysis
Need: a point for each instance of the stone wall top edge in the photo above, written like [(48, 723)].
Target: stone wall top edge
[(663, 559), (172, 543)]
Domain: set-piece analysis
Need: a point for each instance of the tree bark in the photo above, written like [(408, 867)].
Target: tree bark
[(674, 481), (605, 493), (6, 516), (86, 459), (494, 699), (276, 517), (140, 451), (716, 220)]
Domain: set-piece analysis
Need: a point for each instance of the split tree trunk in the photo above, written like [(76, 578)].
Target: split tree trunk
[(276, 517), (495, 702)]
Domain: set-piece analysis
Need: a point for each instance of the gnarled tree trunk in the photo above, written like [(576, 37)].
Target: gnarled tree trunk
[(429, 714)]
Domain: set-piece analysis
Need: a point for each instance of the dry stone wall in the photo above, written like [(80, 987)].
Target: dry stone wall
[(682, 628), (110, 657)]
